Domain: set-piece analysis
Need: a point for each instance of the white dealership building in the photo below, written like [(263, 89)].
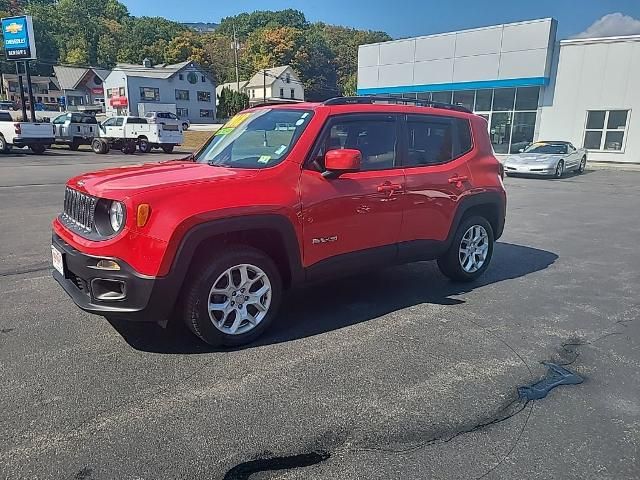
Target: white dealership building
[(523, 81)]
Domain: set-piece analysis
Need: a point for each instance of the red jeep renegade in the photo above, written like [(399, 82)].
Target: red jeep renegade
[(279, 196)]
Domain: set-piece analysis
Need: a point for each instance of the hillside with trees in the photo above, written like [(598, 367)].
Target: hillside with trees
[(102, 33)]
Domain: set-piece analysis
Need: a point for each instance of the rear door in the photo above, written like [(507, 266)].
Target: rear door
[(438, 149), (358, 213)]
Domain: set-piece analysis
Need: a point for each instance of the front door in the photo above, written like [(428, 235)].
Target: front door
[(437, 177), (353, 220)]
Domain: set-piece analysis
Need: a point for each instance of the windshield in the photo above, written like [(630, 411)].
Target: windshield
[(549, 148), (255, 139)]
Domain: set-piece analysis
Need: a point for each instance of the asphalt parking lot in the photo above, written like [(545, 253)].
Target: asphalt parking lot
[(393, 375)]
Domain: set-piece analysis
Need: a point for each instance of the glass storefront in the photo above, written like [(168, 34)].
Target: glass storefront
[(510, 112)]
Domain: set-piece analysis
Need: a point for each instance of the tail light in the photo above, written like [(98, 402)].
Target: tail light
[(18, 128)]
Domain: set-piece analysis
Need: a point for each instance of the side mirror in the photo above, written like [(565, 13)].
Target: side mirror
[(521, 150), (337, 162)]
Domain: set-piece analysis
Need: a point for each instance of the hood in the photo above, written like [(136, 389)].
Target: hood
[(533, 157), (121, 182)]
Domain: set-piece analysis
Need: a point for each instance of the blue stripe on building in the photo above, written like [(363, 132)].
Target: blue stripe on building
[(443, 87)]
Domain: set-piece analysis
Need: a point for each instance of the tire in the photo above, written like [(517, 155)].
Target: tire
[(199, 294), (74, 146), (185, 126), (38, 149), (143, 145), (453, 265), (99, 146), (582, 166), (4, 146), (559, 169), (167, 148), (128, 148)]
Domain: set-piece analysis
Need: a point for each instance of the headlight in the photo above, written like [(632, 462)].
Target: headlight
[(116, 216)]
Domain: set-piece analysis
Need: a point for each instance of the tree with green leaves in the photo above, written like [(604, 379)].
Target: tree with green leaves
[(231, 102)]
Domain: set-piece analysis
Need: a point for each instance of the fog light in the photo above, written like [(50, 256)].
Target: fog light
[(108, 290), (106, 265)]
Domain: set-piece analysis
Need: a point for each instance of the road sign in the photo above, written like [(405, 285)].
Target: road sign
[(19, 40)]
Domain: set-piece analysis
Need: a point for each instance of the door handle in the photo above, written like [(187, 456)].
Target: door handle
[(458, 179), (389, 187)]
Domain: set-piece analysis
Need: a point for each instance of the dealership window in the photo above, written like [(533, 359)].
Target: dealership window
[(180, 76), (606, 130), (182, 94), (527, 98), (441, 97), (203, 78), (204, 96), (464, 98), (182, 112), (206, 113), (484, 98), (293, 93), (150, 94), (503, 99), (288, 77), (121, 91), (282, 93)]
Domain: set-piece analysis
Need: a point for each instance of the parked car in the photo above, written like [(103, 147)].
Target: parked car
[(75, 129), (216, 238), (7, 105), (547, 158), (127, 133), (167, 118), (36, 136)]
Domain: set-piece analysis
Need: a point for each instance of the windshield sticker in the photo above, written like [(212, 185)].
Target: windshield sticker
[(300, 122), (224, 131), (233, 123), (237, 120), (305, 115), (264, 159), (280, 149)]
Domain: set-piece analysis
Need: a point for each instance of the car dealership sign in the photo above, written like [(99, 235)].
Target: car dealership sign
[(19, 40)]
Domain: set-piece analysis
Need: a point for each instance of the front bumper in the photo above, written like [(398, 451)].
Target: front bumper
[(524, 169), (143, 297)]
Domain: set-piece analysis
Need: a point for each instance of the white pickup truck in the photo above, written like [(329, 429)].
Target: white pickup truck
[(125, 133), (36, 136)]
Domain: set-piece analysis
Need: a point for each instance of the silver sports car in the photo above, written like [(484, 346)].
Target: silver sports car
[(547, 158)]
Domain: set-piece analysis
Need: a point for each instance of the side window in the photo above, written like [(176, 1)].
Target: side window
[(376, 140), (109, 122), (119, 121), (60, 120), (434, 140)]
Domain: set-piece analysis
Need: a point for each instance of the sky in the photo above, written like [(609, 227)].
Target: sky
[(407, 18)]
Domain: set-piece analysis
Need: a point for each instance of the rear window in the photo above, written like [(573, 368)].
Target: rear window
[(436, 139), (139, 120)]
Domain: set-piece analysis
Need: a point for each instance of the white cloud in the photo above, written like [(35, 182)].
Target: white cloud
[(612, 25)]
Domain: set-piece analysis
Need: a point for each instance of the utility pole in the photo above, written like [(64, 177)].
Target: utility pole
[(264, 85), (22, 100), (30, 88), (235, 54)]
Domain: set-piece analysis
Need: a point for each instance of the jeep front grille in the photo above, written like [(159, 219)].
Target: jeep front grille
[(79, 209)]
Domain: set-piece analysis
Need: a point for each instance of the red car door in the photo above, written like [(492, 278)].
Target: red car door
[(357, 213), (437, 177)]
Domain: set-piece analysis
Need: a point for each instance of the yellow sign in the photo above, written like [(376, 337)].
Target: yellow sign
[(13, 28), (237, 120)]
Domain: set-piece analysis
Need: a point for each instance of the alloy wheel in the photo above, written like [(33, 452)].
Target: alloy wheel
[(239, 299), (559, 169), (474, 248)]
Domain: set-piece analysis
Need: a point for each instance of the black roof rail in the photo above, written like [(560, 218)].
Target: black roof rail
[(370, 100)]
